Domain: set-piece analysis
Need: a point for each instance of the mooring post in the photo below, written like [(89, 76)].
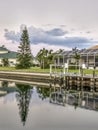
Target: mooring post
[(65, 71), (94, 79), (81, 78), (50, 70), (94, 72)]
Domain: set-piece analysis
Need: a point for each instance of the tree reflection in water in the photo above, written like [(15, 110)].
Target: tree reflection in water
[(23, 96), (43, 92), (4, 84)]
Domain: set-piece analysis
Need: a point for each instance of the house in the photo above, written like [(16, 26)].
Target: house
[(35, 62), (66, 57), (89, 57), (7, 54)]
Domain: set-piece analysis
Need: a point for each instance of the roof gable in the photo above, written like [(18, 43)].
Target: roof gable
[(3, 48), (93, 47), (9, 55)]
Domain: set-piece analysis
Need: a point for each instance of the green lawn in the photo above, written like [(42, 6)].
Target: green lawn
[(33, 69), (85, 71), (38, 69)]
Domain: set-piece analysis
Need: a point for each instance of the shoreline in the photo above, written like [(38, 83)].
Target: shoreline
[(69, 81), (26, 76)]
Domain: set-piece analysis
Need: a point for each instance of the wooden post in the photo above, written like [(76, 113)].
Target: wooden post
[(87, 60), (63, 60), (81, 79), (94, 59), (50, 70), (94, 79), (58, 60), (64, 71), (94, 72)]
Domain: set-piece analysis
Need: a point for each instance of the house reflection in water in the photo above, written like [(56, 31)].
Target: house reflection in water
[(57, 98), (6, 87), (86, 100)]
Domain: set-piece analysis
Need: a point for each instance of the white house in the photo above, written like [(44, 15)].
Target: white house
[(10, 55)]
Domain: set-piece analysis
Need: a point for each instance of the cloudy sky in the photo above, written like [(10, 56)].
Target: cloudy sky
[(52, 24)]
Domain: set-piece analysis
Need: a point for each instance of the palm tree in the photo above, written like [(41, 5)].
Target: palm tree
[(50, 57), (45, 57), (41, 57), (77, 58), (43, 92), (61, 50)]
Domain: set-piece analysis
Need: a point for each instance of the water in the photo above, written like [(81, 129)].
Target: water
[(27, 107)]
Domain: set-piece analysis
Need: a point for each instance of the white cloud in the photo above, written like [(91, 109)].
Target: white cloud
[(54, 36), (79, 15)]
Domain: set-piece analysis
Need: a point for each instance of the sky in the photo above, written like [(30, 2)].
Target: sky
[(53, 24)]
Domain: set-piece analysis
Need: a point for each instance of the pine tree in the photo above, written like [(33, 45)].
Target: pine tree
[(24, 56)]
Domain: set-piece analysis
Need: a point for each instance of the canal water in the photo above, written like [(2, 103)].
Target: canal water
[(31, 107)]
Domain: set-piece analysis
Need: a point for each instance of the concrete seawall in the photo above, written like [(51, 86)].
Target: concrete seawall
[(68, 81), (34, 77)]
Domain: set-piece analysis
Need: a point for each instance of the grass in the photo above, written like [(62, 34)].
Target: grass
[(32, 69), (39, 70), (85, 71)]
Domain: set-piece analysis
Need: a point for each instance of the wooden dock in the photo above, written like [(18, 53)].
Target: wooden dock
[(77, 81)]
